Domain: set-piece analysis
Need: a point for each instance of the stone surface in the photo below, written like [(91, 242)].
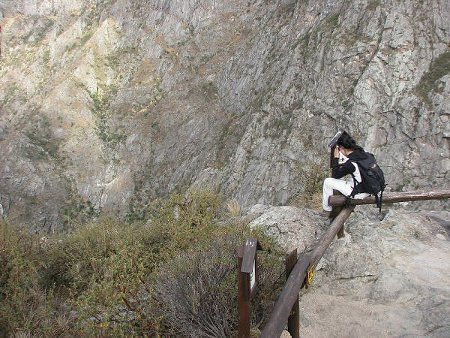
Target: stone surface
[(386, 278), (106, 105)]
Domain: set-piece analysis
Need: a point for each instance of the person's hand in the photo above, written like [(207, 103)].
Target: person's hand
[(336, 152)]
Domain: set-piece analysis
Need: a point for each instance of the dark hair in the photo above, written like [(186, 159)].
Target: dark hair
[(348, 142)]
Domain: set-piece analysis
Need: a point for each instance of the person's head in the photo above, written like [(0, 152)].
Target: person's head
[(347, 142)]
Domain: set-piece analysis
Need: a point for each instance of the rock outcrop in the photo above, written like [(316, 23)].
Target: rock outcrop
[(385, 278), (108, 104)]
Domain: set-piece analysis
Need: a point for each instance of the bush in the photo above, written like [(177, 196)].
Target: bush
[(102, 267), (25, 305), (174, 275), (197, 290)]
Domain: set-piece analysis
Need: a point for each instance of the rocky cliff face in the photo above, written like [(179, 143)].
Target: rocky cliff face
[(105, 105)]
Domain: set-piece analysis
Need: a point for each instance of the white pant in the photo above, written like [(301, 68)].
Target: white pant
[(343, 186)]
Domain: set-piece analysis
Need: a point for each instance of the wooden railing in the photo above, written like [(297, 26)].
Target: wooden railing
[(288, 296), (307, 262), (393, 197)]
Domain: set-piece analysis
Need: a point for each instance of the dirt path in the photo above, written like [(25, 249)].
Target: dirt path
[(397, 287)]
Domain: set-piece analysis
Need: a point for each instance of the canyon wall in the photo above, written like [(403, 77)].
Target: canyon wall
[(107, 105)]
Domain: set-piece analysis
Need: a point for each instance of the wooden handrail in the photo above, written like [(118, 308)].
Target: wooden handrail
[(288, 296), (328, 236), (393, 197)]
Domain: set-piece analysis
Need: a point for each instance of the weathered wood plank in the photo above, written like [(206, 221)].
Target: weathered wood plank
[(294, 317), (394, 197)]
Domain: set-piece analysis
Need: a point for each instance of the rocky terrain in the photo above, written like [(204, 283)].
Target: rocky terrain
[(108, 104), (386, 278)]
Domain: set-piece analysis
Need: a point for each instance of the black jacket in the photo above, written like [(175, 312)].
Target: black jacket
[(347, 168)]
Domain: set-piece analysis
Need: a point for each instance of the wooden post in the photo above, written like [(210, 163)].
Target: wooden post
[(328, 236), (287, 298), (243, 297), (335, 211), (248, 275), (294, 317)]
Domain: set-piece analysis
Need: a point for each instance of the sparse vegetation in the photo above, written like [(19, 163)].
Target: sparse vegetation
[(234, 208), (438, 68), (76, 210), (14, 94), (210, 90), (373, 5), (46, 57), (333, 20), (101, 110), (87, 34), (311, 176), (41, 27), (172, 276), (41, 136)]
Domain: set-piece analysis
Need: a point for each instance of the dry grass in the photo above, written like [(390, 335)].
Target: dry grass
[(234, 208), (172, 276)]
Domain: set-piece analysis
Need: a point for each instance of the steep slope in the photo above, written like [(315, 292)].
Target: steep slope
[(106, 105)]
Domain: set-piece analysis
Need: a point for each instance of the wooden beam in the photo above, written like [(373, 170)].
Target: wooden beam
[(286, 300), (289, 295), (393, 197), (294, 317), (243, 297), (328, 236)]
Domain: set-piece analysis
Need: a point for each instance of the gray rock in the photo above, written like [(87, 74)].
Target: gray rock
[(125, 101), (385, 278), (296, 229)]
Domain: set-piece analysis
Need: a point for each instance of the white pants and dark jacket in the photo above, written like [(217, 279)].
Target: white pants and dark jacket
[(341, 167)]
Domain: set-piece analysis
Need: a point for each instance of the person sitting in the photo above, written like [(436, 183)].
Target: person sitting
[(346, 153)]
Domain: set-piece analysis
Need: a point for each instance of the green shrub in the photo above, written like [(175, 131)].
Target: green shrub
[(111, 278), (197, 290), (438, 69), (102, 267), (25, 305), (312, 175)]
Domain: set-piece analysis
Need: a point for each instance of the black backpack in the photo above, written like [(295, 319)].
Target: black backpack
[(372, 179)]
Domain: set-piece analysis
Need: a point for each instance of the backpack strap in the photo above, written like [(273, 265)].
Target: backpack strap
[(355, 187), (379, 200), (348, 201)]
